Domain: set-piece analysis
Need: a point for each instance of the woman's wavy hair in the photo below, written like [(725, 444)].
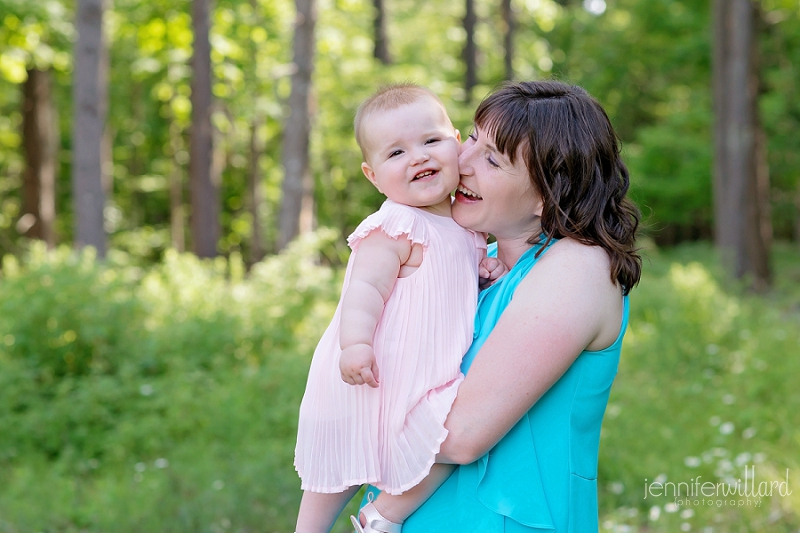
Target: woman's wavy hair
[(573, 157)]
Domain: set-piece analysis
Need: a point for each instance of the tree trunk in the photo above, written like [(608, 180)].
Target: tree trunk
[(508, 38), (255, 187), (470, 51), (297, 202), (255, 195), (90, 100), (176, 206), (741, 181), (40, 141), (797, 214), (204, 190), (381, 38)]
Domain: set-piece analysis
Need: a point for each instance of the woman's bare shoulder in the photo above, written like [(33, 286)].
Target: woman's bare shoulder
[(577, 277), (571, 257)]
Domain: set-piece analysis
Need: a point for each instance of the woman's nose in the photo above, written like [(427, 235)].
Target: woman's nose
[(465, 160)]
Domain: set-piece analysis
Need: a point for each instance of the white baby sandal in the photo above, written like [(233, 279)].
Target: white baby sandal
[(375, 522)]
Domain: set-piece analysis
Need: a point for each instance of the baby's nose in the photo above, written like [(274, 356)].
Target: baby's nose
[(421, 157)]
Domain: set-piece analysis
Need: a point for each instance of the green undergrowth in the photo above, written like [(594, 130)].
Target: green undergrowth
[(164, 398), (706, 392)]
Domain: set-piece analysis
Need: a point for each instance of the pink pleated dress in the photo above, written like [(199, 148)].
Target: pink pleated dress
[(388, 436)]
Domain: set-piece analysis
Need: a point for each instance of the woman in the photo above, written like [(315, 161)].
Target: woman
[(542, 173)]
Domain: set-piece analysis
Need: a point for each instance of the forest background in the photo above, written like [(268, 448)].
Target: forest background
[(156, 390)]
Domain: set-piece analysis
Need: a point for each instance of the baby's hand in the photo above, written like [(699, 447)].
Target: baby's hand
[(490, 270), (358, 365)]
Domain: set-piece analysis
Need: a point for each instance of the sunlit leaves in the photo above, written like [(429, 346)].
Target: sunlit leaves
[(32, 37)]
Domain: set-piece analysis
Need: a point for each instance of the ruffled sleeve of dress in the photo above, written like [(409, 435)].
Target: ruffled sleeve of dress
[(394, 220)]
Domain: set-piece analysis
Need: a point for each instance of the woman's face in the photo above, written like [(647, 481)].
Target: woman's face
[(494, 195)]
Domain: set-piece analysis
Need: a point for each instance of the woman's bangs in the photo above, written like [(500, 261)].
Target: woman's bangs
[(504, 122)]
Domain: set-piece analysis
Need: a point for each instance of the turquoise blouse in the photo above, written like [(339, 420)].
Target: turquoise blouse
[(542, 475)]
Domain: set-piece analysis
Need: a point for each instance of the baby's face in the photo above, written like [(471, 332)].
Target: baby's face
[(412, 154)]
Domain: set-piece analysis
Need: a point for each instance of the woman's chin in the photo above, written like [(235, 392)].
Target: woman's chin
[(464, 211)]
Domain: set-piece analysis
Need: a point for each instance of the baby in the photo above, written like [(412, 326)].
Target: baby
[(403, 323)]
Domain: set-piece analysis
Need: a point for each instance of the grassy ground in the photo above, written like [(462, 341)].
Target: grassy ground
[(165, 398)]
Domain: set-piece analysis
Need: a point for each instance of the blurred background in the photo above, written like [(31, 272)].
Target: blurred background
[(177, 180)]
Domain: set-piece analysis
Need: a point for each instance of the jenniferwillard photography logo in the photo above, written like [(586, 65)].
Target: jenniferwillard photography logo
[(696, 492)]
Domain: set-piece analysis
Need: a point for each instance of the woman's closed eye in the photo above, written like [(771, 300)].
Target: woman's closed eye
[(492, 162)]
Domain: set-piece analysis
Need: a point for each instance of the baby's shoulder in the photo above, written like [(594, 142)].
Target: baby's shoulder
[(394, 220)]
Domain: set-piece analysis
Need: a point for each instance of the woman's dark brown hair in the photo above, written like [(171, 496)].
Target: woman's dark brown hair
[(573, 157)]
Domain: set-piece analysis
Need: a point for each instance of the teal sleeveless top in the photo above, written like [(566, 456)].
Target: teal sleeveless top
[(542, 475)]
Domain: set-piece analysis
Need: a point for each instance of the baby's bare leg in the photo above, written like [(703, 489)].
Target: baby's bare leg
[(396, 508), (319, 511)]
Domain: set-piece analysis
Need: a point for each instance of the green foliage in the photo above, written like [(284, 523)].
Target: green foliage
[(670, 167), (647, 62), (79, 323), (101, 362)]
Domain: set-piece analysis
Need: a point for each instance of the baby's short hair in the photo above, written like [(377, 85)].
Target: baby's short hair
[(389, 97)]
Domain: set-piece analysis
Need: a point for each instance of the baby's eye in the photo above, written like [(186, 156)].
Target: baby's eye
[(431, 141), (396, 152)]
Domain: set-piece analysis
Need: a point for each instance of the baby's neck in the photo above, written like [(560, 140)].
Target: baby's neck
[(441, 209)]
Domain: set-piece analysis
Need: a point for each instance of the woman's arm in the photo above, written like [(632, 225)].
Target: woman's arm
[(565, 305), (376, 266)]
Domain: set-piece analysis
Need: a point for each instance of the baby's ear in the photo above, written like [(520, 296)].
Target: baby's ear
[(458, 136), (370, 174)]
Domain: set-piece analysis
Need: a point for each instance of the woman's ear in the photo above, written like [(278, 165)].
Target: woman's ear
[(539, 207), (370, 174)]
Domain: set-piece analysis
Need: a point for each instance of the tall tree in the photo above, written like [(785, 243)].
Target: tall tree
[(176, 207), (381, 37), (90, 100), (255, 186), (508, 38), (204, 190), (40, 141), (470, 51), (741, 181), (254, 194), (296, 212)]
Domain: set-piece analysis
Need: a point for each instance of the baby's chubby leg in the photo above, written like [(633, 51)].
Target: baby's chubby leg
[(318, 511), (396, 508)]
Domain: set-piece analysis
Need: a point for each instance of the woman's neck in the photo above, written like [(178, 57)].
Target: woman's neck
[(511, 247), (510, 250)]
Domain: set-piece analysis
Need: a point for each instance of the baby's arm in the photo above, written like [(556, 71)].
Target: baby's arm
[(375, 269)]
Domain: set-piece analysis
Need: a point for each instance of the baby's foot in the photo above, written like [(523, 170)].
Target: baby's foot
[(371, 521)]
